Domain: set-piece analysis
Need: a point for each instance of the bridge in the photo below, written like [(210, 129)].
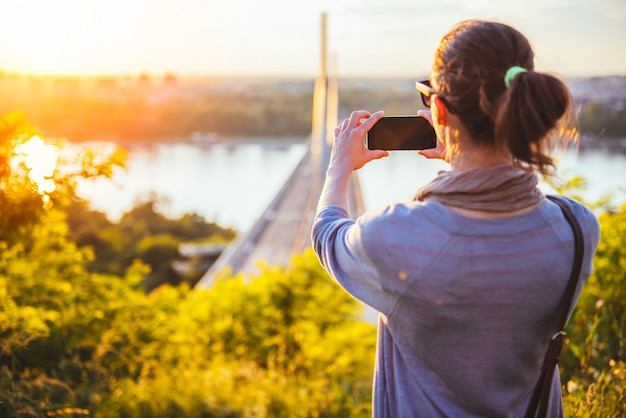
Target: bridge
[(284, 227)]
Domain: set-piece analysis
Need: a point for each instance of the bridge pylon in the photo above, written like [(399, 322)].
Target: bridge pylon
[(284, 228)]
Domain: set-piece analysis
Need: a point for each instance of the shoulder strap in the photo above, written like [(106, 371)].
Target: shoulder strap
[(538, 406), (579, 249)]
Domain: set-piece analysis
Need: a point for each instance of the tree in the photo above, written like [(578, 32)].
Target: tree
[(21, 205), (22, 201)]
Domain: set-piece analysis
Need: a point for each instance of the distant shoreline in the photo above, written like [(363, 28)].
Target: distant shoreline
[(274, 142), (585, 142), (146, 109)]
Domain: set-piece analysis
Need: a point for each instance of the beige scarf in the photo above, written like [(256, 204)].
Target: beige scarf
[(499, 188)]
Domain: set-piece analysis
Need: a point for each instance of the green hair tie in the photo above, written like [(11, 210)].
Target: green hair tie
[(511, 73)]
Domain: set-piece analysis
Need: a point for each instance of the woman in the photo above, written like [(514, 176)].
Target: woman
[(468, 277)]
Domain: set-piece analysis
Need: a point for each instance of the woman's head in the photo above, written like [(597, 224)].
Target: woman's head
[(469, 73)]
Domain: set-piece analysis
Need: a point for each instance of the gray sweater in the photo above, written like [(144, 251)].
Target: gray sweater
[(467, 305)]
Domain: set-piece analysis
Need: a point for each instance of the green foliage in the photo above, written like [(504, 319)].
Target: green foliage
[(144, 234), (21, 203), (144, 220), (50, 320), (601, 314), (605, 397), (593, 360), (285, 343), (289, 343)]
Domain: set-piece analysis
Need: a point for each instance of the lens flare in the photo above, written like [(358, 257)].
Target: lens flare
[(41, 160)]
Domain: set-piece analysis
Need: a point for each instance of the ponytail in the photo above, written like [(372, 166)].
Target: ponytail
[(485, 71), (532, 107)]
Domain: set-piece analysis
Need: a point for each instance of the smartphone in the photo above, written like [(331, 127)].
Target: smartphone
[(401, 133)]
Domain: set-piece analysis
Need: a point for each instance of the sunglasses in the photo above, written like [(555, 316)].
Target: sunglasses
[(427, 91)]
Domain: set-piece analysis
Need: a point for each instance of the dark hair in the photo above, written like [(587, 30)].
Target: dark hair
[(469, 70)]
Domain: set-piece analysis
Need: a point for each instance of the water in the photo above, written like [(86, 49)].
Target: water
[(399, 176), (227, 185), (231, 185)]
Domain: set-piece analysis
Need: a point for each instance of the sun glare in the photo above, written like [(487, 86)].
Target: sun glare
[(74, 37), (40, 159)]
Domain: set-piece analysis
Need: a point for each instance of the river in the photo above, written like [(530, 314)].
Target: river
[(232, 184)]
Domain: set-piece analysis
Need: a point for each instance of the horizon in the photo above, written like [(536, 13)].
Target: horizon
[(279, 39), (240, 77)]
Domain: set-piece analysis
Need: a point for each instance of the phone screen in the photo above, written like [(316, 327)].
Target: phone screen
[(401, 133)]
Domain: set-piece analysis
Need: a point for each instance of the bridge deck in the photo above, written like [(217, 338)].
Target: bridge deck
[(283, 229)]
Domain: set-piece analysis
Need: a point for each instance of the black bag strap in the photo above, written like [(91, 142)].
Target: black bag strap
[(538, 406)]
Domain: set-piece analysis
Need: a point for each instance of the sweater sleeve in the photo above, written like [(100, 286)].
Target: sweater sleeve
[(339, 244)]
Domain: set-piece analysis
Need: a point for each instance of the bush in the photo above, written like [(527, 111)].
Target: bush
[(592, 363), (290, 343)]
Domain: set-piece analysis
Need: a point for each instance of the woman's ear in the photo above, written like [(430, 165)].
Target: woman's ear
[(442, 111)]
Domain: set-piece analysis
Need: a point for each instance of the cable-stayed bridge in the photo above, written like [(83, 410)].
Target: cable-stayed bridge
[(284, 228)]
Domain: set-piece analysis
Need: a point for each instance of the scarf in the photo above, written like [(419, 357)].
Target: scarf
[(499, 188)]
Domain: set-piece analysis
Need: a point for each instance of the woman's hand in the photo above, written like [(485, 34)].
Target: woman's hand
[(439, 151), (349, 152)]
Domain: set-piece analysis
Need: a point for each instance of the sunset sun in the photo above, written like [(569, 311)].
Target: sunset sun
[(40, 159)]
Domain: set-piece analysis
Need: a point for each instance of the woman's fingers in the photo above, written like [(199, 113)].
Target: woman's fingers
[(371, 120), (349, 149), (356, 116), (439, 152), (426, 115)]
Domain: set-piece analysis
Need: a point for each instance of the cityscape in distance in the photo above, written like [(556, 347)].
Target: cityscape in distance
[(145, 107)]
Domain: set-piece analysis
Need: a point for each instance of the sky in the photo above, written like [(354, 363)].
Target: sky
[(366, 38)]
